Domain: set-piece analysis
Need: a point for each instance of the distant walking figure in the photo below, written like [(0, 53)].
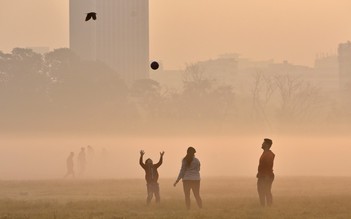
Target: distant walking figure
[(190, 173), (81, 161), (151, 176), (90, 15), (265, 175), (69, 162), (90, 155)]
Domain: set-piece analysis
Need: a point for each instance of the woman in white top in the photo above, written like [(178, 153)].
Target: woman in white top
[(190, 175)]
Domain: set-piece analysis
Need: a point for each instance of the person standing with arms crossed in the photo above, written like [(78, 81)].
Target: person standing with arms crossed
[(265, 175), (190, 174)]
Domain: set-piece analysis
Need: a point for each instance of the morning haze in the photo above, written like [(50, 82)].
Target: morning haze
[(79, 103), (289, 30)]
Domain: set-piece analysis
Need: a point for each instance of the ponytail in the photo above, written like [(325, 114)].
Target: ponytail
[(188, 159)]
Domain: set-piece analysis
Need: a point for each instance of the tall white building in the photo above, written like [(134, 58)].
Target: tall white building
[(119, 37), (82, 35), (344, 56)]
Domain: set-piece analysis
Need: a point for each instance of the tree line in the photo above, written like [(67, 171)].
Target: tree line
[(58, 91)]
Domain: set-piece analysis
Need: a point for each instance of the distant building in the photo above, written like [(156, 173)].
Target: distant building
[(344, 57), (248, 66), (119, 37), (327, 74), (40, 49), (327, 65), (82, 35), (169, 79), (288, 68), (223, 70)]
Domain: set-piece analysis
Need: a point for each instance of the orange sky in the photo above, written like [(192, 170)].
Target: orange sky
[(184, 31)]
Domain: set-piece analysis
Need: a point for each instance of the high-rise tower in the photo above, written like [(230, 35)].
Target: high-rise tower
[(119, 37), (82, 35), (344, 57)]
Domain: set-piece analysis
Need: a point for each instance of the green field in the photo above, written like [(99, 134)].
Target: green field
[(303, 197)]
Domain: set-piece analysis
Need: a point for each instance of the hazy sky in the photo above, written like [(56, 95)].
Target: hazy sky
[(190, 30)]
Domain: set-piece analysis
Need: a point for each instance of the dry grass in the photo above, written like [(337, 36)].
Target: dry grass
[(306, 197)]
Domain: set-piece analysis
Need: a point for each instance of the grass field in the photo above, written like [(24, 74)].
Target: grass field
[(303, 197)]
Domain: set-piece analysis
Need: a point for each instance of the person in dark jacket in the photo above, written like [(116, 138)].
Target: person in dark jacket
[(265, 175), (151, 176)]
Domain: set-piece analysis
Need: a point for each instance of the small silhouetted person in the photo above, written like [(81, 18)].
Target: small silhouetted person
[(151, 177), (90, 154), (90, 15), (190, 174), (70, 165), (81, 161), (265, 175)]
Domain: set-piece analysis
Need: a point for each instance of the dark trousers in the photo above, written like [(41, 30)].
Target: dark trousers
[(264, 187), (153, 189), (195, 186)]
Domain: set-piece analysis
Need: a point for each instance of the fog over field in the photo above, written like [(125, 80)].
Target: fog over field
[(54, 102), (118, 78), (41, 157)]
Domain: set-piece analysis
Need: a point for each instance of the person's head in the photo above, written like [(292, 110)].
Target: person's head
[(190, 151), (190, 154), (148, 161), (267, 144)]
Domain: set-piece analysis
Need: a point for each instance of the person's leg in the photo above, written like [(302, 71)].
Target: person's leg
[(269, 196), (196, 191), (261, 191), (80, 171), (187, 187), (157, 192), (83, 168), (71, 172), (149, 193)]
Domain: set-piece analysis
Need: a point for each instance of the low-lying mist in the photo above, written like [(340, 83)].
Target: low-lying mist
[(56, 103), (39, 157)]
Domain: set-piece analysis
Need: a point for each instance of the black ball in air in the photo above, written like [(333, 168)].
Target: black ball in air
[(154, 65)]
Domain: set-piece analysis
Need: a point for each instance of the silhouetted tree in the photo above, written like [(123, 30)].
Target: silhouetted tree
[(202, 100), (87, 90), (147, 96), (299, 100), (24, 87), (262, 92), (285, 99), (59, 89)]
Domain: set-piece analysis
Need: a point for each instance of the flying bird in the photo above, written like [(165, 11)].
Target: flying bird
[(91, 15)]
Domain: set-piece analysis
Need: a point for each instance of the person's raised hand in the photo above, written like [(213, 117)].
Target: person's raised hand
[(162, 153), (142, 152)]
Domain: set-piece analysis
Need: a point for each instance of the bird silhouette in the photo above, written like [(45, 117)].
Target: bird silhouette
[(91, 15)]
